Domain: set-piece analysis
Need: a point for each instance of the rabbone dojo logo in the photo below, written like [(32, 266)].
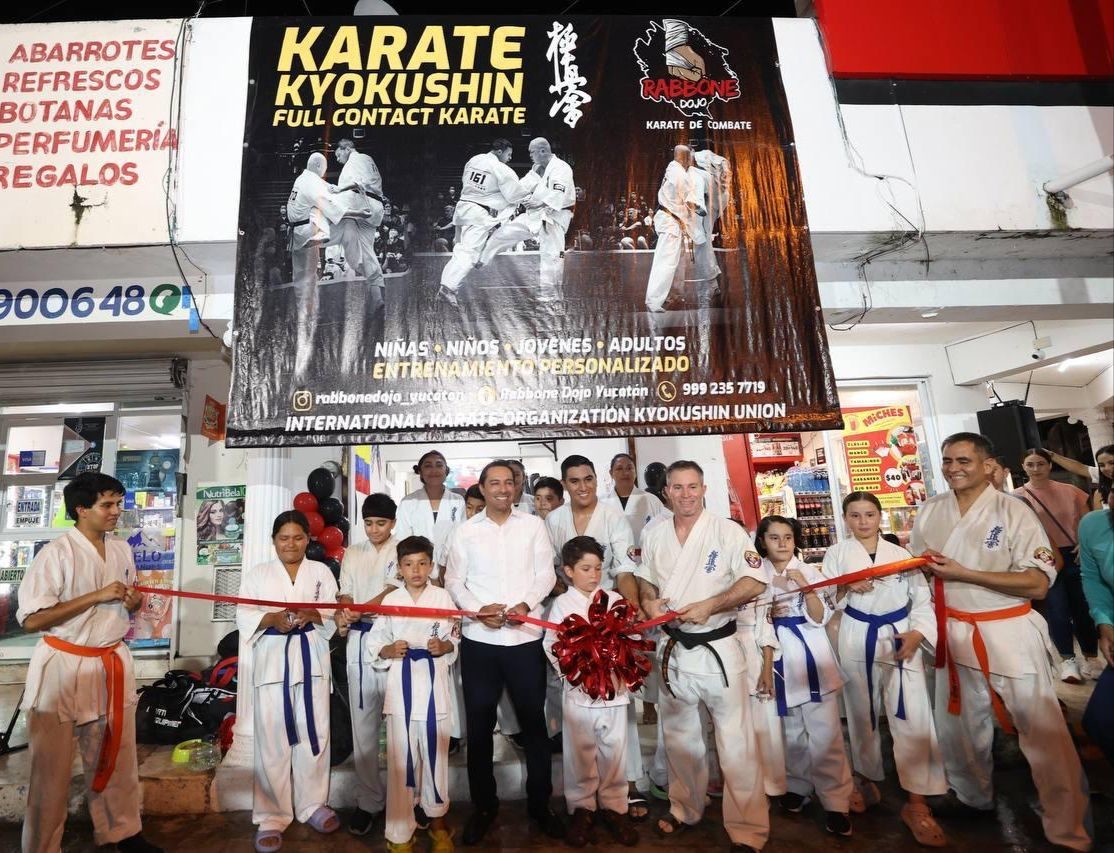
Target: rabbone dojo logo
[(568, 82), (681, 66)]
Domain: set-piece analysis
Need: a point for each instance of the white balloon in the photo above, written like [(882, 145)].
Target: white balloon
[(373, 7)]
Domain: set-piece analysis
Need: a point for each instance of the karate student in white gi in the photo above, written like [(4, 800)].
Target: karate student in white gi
[(886, 621), (993, 557), (433, 510), (763, 710), (523, 500), (639, 506), (549, 494), (489, 191), (312, 210), (586, 515), (418, 650), (292, 683), (550, 199), (677, 223), (595, 731), (361, 187), (705, 568), (498, 556), (805, 681), (80, 681), (368, 573)]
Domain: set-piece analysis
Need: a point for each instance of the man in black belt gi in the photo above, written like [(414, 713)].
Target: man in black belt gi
[(704, 567)]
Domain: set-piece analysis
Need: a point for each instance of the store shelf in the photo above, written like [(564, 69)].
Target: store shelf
[(812, 494), (775, 460), (815, 518)]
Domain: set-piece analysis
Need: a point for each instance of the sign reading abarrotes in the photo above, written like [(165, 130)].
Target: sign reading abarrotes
[(521, 228)]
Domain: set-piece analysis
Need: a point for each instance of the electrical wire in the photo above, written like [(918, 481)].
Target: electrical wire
[(174, 120), (855, 161)]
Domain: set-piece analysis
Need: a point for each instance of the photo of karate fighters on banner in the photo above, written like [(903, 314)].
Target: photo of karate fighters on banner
[(624, 224)]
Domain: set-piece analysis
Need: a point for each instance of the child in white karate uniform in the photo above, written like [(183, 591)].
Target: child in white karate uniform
[(595, 731), (418, 651), (368, 573), (885, 622), (806, 680), (292, 680)]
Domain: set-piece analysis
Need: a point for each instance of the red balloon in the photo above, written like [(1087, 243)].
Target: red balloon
[(305, 502), (335, 553), (316, 523), (331, 537)]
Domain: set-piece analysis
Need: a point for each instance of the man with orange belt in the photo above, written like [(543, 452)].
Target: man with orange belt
[(994, 658), (80, 679)]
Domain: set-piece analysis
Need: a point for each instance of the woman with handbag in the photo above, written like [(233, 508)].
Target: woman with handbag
[(1060, 507)]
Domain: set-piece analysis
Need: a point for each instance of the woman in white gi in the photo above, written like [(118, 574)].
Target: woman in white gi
[(806, 680), (639, 505), (418, 651), (292, 682), (433, 510), (885, 622), (595, 735), (369, 571)]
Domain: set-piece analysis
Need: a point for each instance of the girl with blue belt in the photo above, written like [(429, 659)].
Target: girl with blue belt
[(887, 623)]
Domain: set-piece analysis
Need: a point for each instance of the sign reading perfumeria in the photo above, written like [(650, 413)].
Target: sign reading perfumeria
[(521, 228)]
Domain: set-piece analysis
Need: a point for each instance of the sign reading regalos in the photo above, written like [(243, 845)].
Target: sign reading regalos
[(84, 133), (521, 228)]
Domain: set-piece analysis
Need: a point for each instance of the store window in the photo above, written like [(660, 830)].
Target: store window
[(886, 447), (46, 446)]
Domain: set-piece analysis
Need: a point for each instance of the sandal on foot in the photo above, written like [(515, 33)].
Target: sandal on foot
[(918, 817), (635, 800), (324, 820), (864, 795), (676, 826), (268, 841)]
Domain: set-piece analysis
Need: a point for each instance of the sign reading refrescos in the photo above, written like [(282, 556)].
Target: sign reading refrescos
[(84, 133), (521, 228)]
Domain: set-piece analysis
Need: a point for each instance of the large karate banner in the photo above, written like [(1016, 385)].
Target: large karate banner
[(521, 228)]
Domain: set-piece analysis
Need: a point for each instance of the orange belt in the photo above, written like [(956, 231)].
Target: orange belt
[(114, 681), (973, 619)]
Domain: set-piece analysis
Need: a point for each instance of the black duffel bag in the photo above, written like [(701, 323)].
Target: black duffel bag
[(164, 713)]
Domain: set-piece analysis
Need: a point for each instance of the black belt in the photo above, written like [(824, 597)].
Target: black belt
[(299, 223), (691, 641), (489, 210)]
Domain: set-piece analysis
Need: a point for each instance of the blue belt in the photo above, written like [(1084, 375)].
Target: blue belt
[(430, 718), (874, 623), (307, 686), (793, 623), (363, 628)]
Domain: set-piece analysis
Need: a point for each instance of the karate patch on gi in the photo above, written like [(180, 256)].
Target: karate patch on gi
[(317, 592), (994, 538), (752, 559), (1044, 555), (453, 516), (710, 566)]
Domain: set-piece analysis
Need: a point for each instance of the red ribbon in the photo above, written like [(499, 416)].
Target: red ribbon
[(894, 568), (600, 654)]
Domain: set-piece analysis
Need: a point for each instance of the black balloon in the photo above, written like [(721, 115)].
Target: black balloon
[(334, 567), (320, 483), (315, 551), (331, 510), (344, 528)]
